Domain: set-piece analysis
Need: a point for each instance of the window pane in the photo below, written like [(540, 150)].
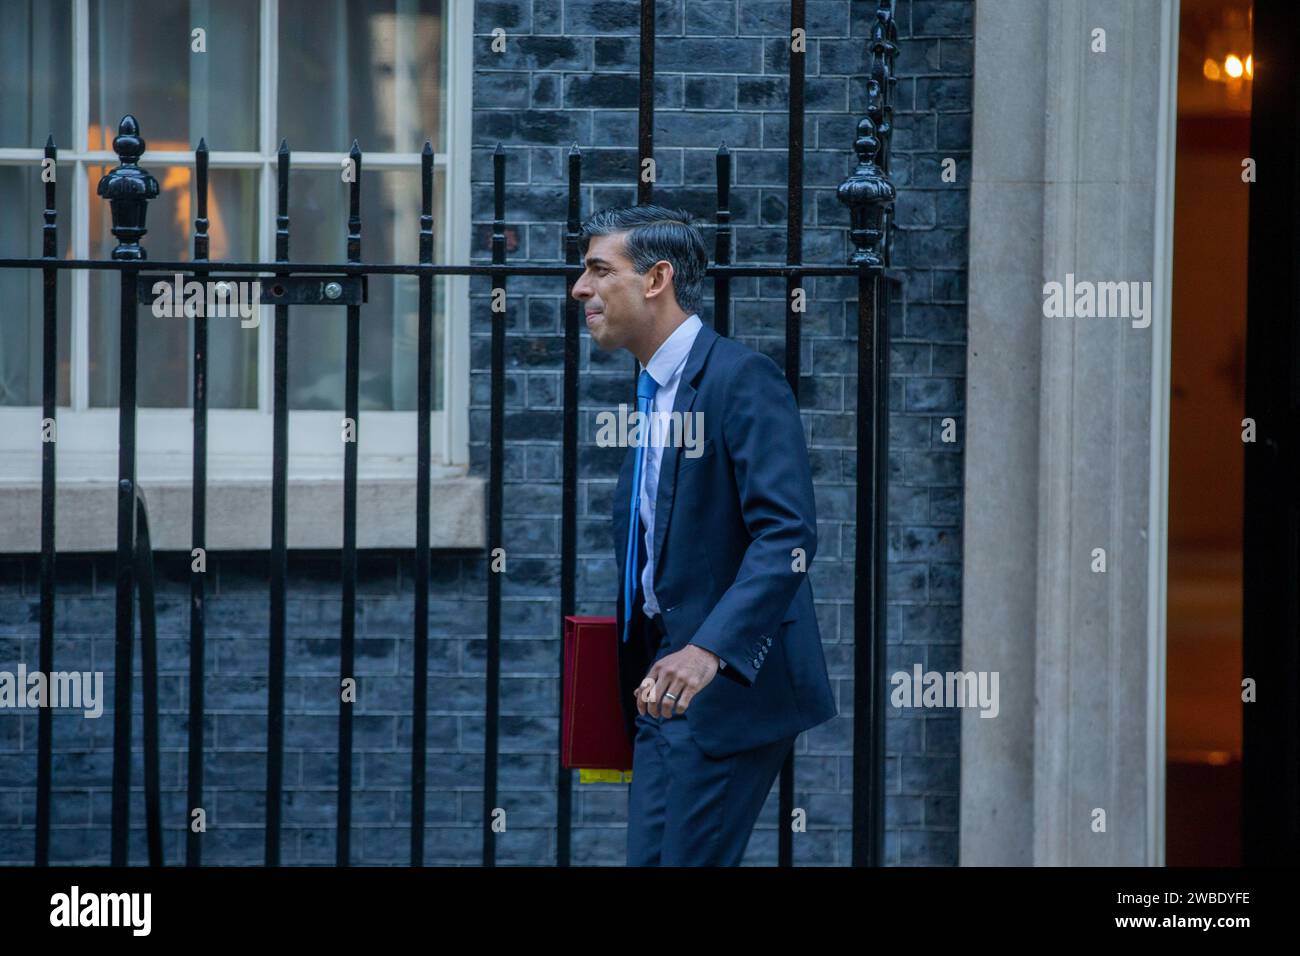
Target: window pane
[(35, 66), (370, 70), (406, 310), (390, 226), (22, 338), (166, 346), (142, 62)]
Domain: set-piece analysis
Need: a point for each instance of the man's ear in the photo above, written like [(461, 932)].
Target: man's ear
[(660, 276)]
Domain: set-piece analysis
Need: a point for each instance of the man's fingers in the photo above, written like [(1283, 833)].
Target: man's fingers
[(667, 681), (639, 695), (672, 708), (678, 684), (656, 695), (647, 684), (649, 695), (683, 681)]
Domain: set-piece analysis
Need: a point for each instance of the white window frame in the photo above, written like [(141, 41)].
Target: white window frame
[(239, 440)]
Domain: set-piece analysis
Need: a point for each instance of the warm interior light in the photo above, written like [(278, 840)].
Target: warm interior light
[(1250, 68), (1210, 69), (174, 179), (1232, 66)]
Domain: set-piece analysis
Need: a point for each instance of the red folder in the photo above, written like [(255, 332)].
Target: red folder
[(594, 737)]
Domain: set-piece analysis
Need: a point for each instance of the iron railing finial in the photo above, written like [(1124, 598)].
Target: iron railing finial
[(128, 189), (868, 192)]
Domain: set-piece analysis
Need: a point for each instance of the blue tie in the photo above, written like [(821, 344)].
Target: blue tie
[(646, 387)]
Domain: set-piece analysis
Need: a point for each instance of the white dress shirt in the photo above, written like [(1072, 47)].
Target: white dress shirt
[(666, 367)]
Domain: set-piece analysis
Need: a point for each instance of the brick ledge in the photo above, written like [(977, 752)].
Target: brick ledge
[(239, 514)]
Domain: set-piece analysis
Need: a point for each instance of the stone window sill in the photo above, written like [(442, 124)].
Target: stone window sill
[(239, 513)]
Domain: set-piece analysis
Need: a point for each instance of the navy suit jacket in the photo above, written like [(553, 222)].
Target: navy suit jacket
[(735, 531)]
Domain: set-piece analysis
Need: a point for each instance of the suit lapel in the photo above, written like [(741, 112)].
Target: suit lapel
[(682, 403)]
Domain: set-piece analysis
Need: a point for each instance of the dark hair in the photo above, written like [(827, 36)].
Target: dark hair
[(656, 233)]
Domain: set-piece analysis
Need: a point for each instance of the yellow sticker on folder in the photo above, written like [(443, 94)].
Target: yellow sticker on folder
[(586, 775)]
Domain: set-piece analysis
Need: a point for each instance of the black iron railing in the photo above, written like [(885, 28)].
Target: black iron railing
[(867, 192)]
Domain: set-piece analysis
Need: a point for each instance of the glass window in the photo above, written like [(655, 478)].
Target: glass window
[(374, 71), (22, 322), (35, 65), (390, 223), (370, 70), (166, 345), (145, 59)]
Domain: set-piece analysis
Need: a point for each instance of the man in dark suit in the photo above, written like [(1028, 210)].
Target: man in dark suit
[(713, 548)]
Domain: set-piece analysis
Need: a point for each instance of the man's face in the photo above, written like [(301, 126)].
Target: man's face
[(613, 295)]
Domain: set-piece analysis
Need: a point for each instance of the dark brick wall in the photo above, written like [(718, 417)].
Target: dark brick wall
[(238, 609), (569, 74)]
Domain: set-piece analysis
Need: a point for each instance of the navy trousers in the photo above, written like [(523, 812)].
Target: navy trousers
[(686, 808)]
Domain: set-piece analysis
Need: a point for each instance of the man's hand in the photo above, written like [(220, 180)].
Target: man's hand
[(683, 673)]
